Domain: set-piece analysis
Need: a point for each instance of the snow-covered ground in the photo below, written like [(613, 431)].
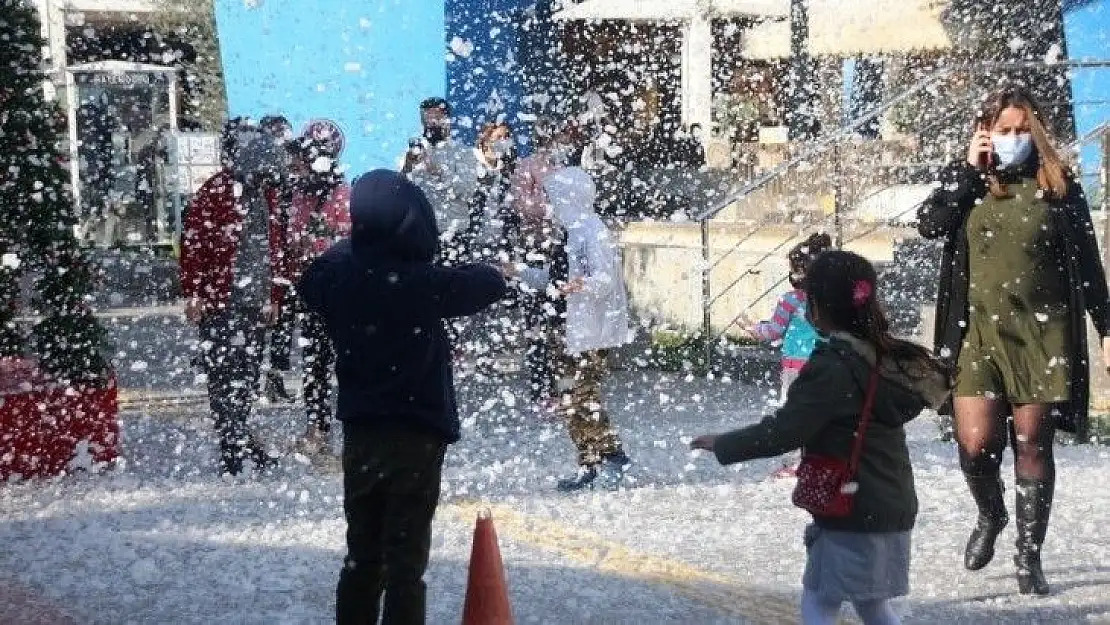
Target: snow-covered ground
[(161, 540)]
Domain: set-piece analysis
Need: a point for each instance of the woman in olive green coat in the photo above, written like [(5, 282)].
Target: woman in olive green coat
[(1020, 269)]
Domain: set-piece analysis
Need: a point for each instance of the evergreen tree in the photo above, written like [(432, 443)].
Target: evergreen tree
[(37, 217)]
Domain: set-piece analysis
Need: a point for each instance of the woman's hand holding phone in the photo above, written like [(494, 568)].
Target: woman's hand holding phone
[(979, 154)]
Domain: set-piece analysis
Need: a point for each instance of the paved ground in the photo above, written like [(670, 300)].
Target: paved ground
[(159, 539)]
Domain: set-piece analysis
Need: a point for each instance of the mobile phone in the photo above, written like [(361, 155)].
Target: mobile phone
[(987, 160)]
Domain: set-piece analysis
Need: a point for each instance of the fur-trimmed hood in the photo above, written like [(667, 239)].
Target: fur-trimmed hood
[(924, 375)]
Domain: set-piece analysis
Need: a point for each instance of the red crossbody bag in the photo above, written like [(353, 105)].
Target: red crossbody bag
[(826, 485)]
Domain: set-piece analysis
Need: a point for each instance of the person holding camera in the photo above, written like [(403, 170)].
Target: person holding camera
[(445, 171)]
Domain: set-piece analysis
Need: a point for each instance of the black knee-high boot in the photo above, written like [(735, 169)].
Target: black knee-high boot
[(988, 492), (1034, 505)]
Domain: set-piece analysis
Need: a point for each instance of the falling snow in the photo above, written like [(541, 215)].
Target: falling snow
[(716, 138)]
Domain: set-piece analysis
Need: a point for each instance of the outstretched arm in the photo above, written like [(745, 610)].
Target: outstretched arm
[(775, 328), (466, 290), (825, 390)]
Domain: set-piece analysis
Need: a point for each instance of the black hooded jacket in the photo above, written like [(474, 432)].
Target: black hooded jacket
[(384, 304)]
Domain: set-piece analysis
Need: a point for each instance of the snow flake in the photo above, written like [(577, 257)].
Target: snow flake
[(461, 47)]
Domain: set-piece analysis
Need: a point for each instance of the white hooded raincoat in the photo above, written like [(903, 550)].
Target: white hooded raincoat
[(597, 317)]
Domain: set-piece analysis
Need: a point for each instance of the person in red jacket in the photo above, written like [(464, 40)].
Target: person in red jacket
[(232, 274), (319, 218)]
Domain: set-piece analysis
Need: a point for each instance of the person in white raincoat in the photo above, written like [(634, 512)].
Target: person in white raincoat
[(597, 320)]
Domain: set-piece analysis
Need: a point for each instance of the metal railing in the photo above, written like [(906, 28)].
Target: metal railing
[(832, 142)]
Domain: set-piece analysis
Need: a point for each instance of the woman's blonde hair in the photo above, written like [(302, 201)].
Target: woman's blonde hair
[(1052, 171)]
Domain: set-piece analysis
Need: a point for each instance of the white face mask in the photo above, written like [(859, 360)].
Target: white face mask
[(1012, 149), (502, 147)]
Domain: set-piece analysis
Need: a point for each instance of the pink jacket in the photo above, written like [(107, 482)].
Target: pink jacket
[(311, 237)]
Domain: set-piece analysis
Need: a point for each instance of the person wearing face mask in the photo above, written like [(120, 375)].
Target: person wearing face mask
[(493, 229), (492, 235), (232, 270), (1020, 270), (445, 171), (321, 217), (597, 321), (543, 245), (280, 338)]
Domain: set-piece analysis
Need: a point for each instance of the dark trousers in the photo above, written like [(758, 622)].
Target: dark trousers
[(541, 378), (231, 348), (281, 337), (391, 482), (319, 359)]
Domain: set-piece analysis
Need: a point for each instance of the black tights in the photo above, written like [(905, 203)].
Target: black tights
[(982, 432)]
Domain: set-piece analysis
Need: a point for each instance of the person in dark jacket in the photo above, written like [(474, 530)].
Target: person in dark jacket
[(863, 557), (280, 337), (1020, 268), (232, 267), (384, 303)]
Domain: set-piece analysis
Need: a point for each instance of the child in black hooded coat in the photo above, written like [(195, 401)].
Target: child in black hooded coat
[(384, 303)]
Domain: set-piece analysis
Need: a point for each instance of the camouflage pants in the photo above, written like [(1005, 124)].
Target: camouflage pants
[(580, 403)]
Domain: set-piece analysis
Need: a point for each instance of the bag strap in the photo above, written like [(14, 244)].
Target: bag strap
[(865, 419)]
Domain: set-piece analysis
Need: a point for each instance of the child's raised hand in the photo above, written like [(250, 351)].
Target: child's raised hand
[(745, 324), (704, 443)]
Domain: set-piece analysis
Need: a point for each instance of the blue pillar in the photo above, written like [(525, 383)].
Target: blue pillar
[(1087, 28), (365, 64)]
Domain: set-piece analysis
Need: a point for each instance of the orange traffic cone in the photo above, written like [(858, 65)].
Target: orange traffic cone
[(487, 596)]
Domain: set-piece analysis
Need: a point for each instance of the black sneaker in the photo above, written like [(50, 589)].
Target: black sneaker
[(621, 459), (263, 462), (231, 462), (584, 478)]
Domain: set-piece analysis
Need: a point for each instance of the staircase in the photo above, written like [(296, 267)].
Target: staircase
[(842, 171)]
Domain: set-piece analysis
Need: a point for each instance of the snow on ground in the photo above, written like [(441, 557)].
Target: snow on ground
[(160, 539)]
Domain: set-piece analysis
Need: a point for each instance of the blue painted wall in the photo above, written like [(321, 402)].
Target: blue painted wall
[(1087, 26), (500, 55), (366, 64)]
